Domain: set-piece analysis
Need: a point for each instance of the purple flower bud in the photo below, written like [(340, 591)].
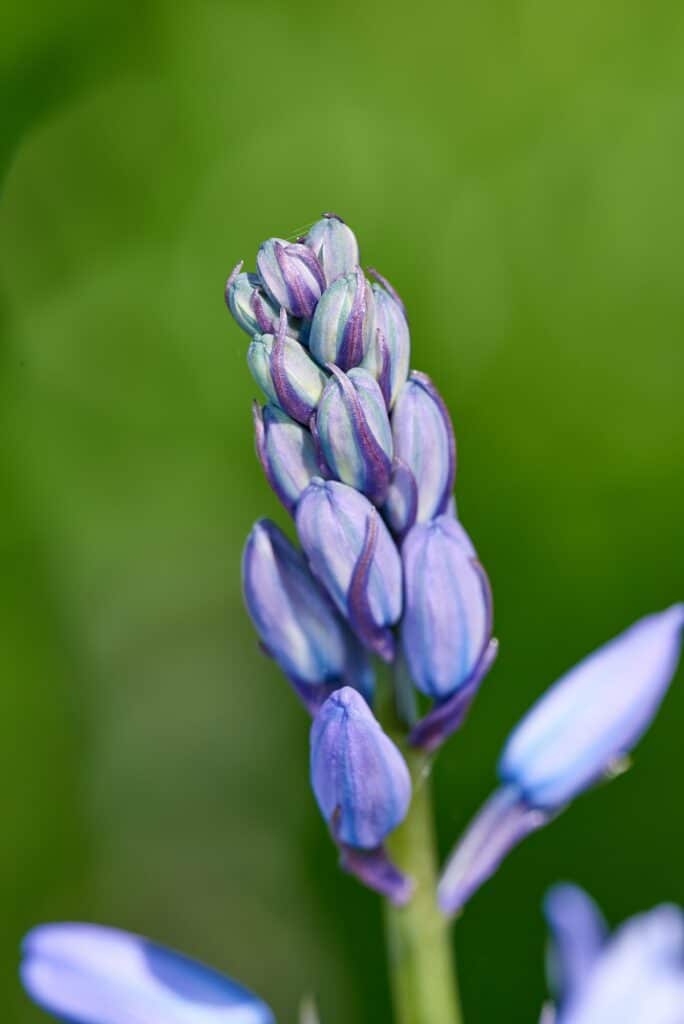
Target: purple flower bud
[(334, 246), (424, 445), (362, 787), (296, 622), (286, 451), (252, 309), (632, 977), (286, 374), (343, 324), (572, 737), (92, 975), (354, 432), (391, 329), (447, 623), (351, 552), (291, 275)]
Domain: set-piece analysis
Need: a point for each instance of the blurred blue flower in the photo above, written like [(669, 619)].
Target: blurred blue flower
[(353, 555), (296, 621), (572, 737), (362, 786), (635, 976), (87, 974)]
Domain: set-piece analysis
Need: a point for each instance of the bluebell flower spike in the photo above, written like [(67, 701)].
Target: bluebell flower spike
[(286, 451), (89, 974), (590, 718), (635, 976), (291, 275), (424, 443), (334, 244), (354, 431), (351, 552), (363, 789), (296, 622), (343, 324)]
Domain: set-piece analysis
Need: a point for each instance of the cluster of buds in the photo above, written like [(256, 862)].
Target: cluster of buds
[(360, 450)]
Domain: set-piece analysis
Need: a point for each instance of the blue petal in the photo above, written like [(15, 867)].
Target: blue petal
[(578, 936), (359, 777), (86, 974), (595, 713)]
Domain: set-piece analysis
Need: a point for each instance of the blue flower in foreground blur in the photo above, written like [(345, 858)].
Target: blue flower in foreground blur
[(296, 621), (362, 786), (582, 726), (87, 974), (635, 976)]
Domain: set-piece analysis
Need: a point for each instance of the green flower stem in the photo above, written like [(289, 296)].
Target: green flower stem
[(421, 966)]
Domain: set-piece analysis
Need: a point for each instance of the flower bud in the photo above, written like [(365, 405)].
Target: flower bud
[(354, 432), (252, 309), (334, 245), (424, 445), (578, 933), (573, 735), (392, 329), (351, 552), (296, 622), (362, 787), (343, 324), (291, 275), (93, 975), (286, 451), (286, 373), (447, 622)]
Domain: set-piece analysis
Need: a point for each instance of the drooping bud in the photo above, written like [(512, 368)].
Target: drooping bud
[(89, 974), (392, 329), (354, 432), (344, 322), (334, 246), (286, 373), (291, 275), (286, 451), (252, 309), (424, 445), (295, 620), (351, 552), (362, 787), (572, 737)]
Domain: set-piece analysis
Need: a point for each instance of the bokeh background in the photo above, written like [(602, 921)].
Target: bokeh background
[(516, 169)]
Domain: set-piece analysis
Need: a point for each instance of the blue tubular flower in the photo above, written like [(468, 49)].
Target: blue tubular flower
[(334, 246), (296, 622), (634, 977), (362, 787), (87, 974), (286, 451), (351, 552), (286, 373), (291, 275), (252, 309), (425, 449), (585, 723), (354, 432), (391, 343), (343, 324)]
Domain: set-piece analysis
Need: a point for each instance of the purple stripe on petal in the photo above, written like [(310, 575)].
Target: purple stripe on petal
[(87, 974), (352, 347), (296, 406), (401, 506), (376, 638), (388, 288), (447, 717), (500, 825), (377, 872)]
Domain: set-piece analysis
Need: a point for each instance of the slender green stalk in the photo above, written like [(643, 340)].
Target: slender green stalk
[(421, 966)]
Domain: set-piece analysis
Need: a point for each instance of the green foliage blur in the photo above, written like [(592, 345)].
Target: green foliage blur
[(516, 169)]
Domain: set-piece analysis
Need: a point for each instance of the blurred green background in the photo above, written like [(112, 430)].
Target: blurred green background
[(516, 169)]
